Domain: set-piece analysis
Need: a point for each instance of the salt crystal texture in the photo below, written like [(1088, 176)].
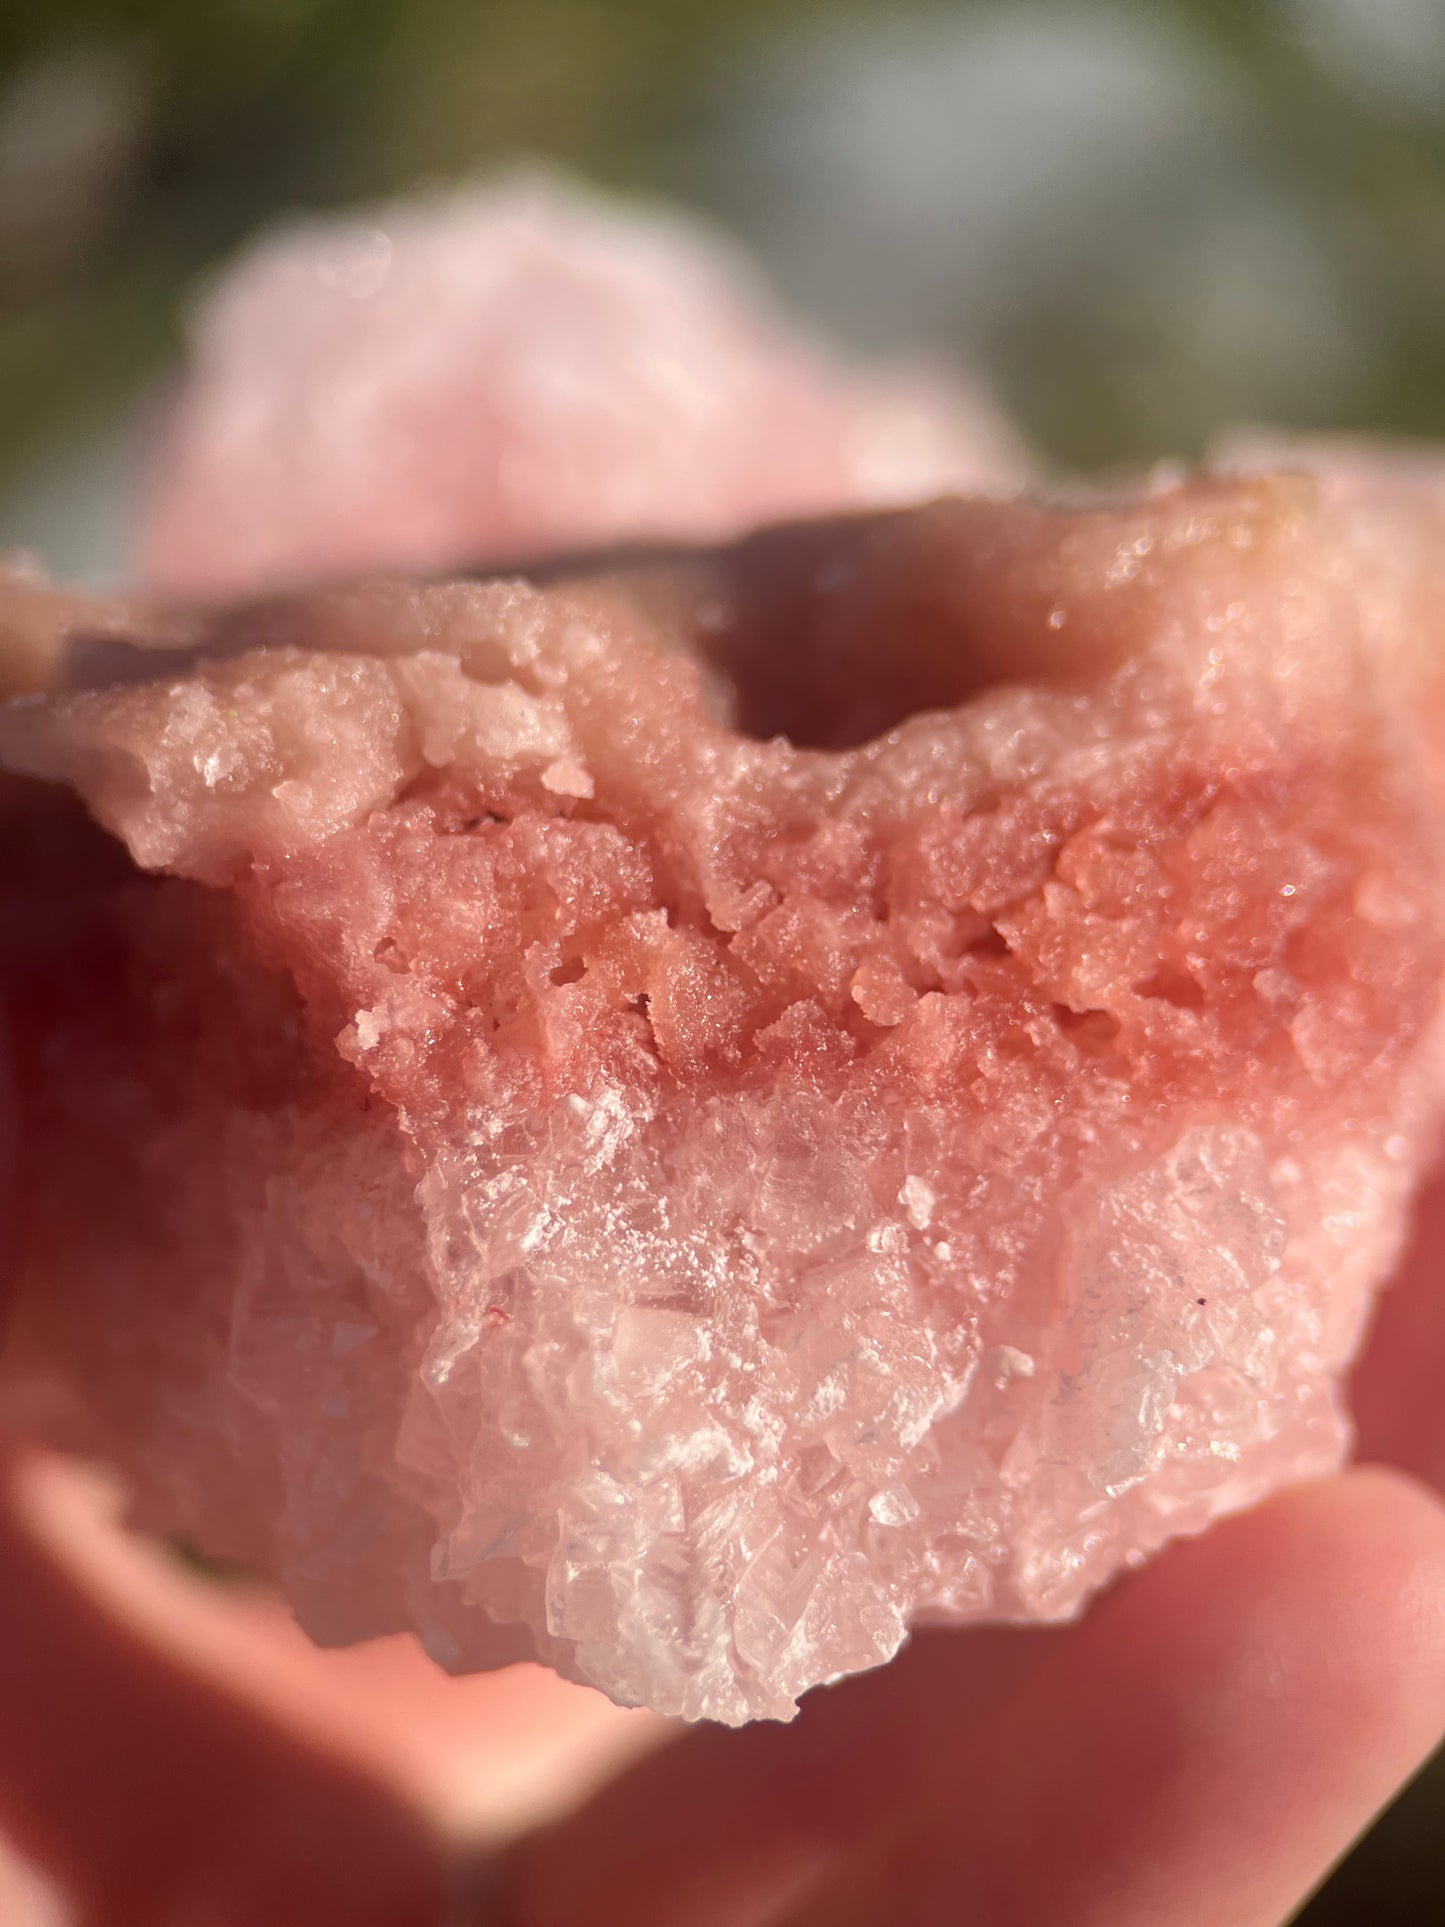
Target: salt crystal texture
[(686, 1120), (516, 369)]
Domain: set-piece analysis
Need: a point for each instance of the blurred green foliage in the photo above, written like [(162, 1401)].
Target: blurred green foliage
[(235, 108), (244, 106)]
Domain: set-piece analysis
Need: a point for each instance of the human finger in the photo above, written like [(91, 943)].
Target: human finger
[(1395, 1392), (161, 1777), (1213, 1737)]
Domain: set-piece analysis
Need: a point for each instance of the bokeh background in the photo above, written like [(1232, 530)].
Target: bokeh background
[(1139, 218)]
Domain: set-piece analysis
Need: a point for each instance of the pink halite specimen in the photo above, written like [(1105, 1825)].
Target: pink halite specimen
[(683, 1121), (511, 370)]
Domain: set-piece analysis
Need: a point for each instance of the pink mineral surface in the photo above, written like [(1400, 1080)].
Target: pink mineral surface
[(508, 370), (684, 1121)]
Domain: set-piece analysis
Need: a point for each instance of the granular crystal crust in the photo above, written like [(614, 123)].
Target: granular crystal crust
[(689, 1159)]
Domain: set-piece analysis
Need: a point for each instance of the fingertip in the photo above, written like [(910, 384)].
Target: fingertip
[(1379, 1539), (1389, 1516), (1393, 1503), (1395, 1389), (1206, 1742), (1358, 1558)]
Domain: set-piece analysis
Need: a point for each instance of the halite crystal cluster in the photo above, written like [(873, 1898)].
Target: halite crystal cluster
[(684, 1120)]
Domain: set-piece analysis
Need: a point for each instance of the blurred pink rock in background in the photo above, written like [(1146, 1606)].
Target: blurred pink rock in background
[(517, 369), (1366, 474)]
